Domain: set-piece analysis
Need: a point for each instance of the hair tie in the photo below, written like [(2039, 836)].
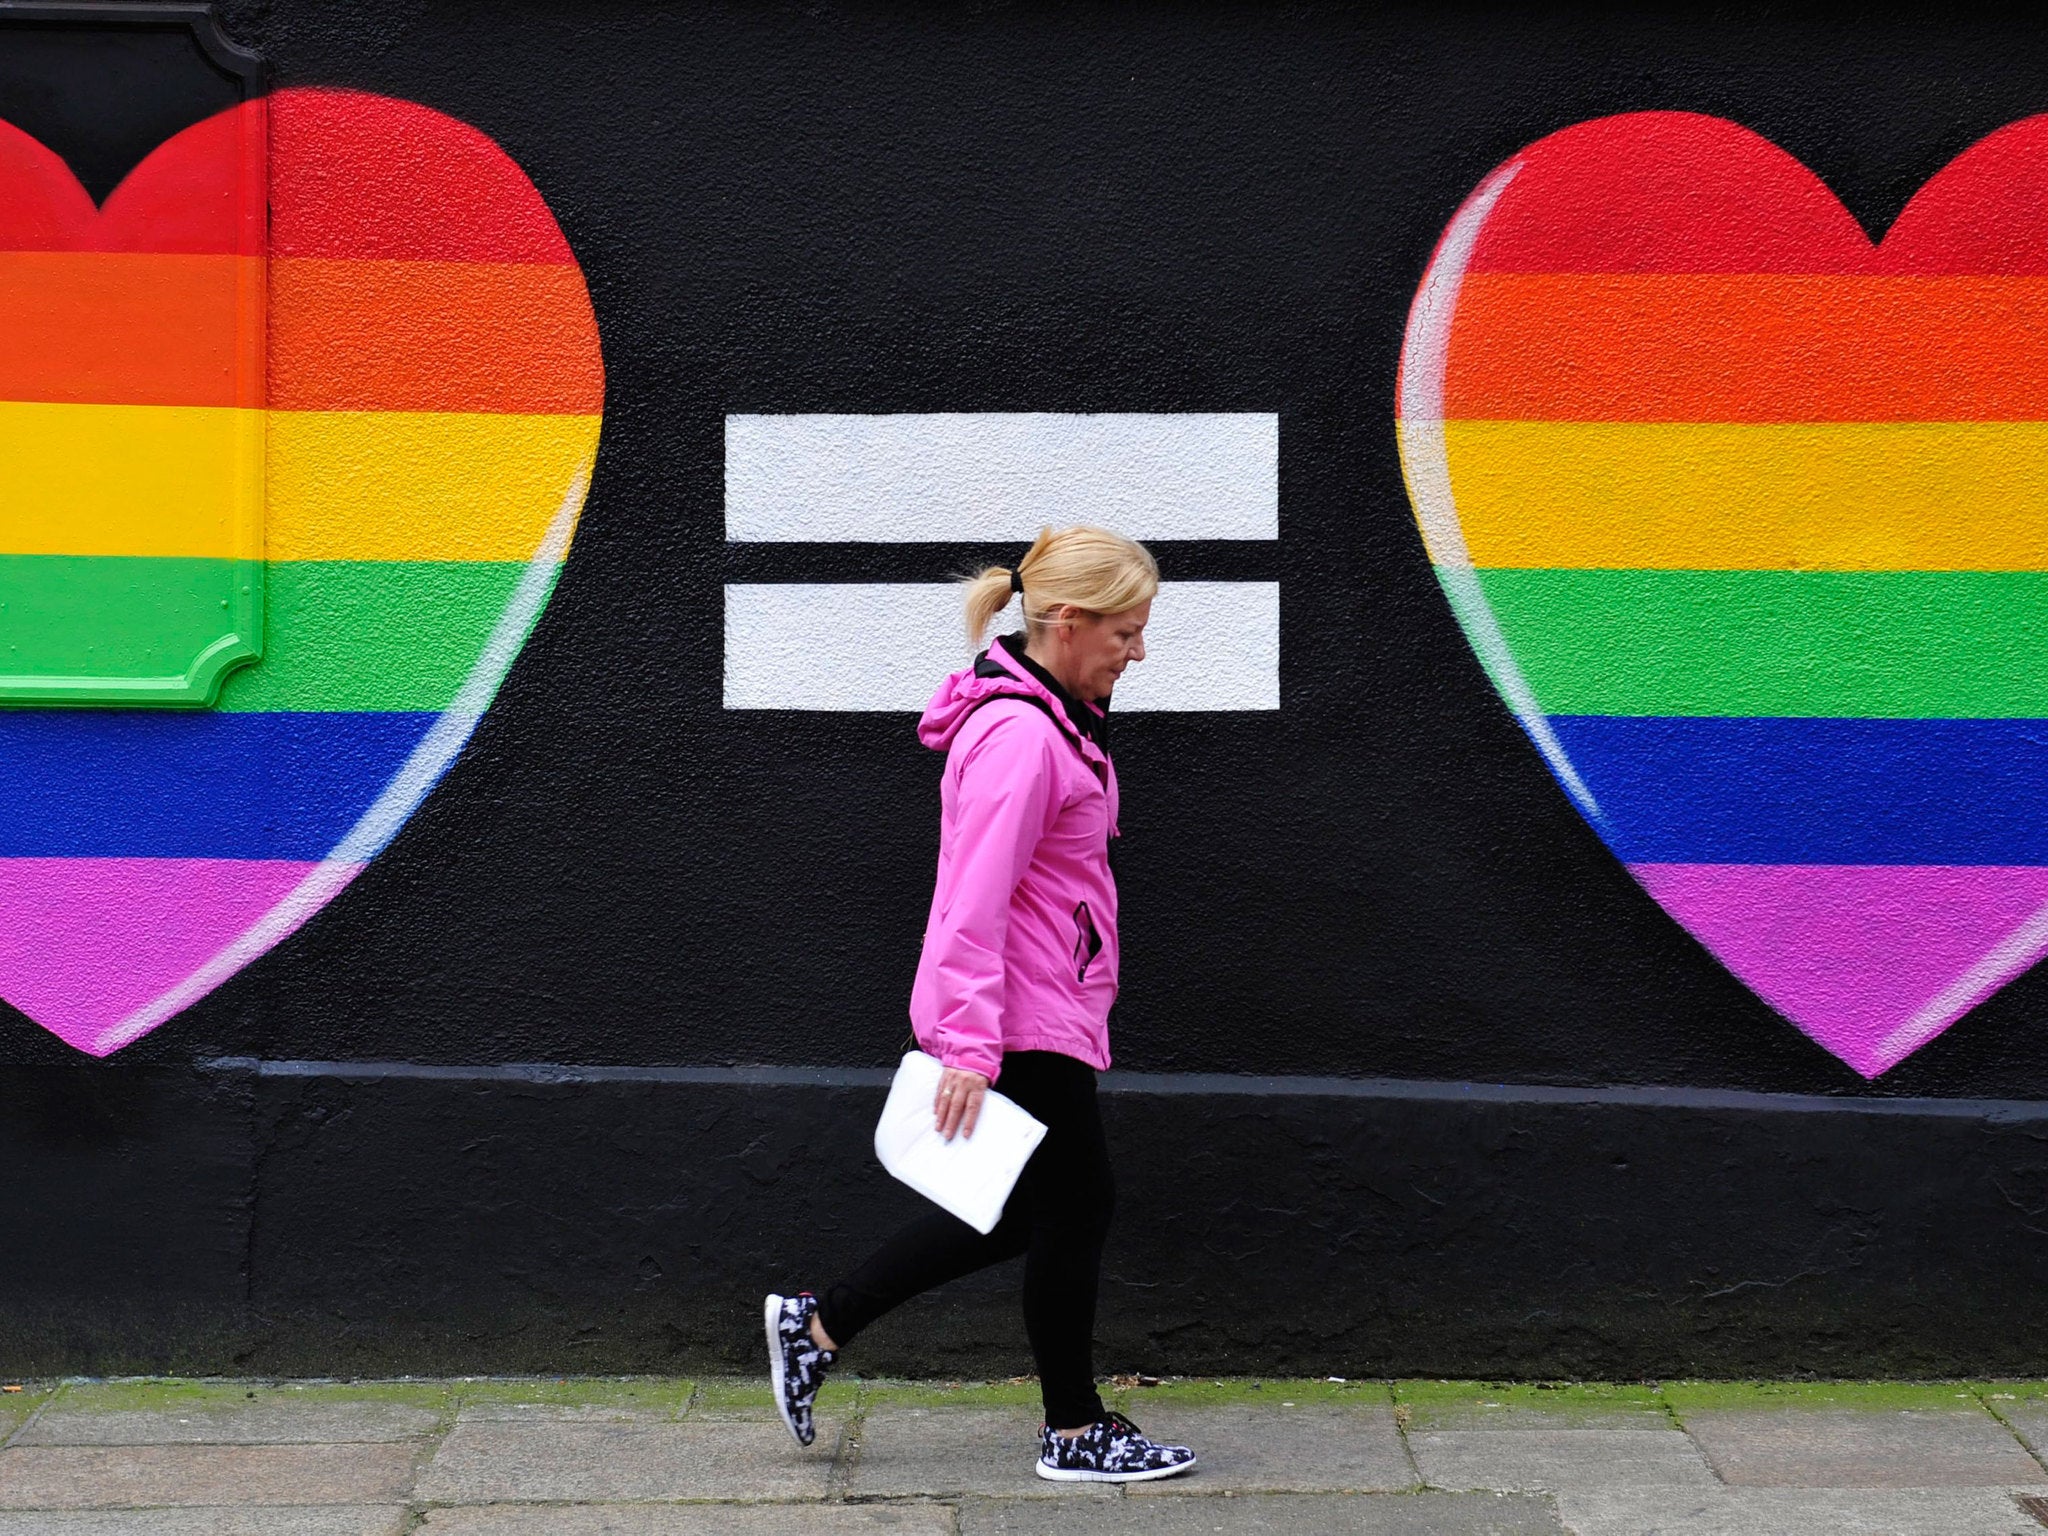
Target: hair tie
[(1017, 583)]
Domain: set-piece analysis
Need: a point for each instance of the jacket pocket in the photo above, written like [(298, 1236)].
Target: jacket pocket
[(1087, 941)]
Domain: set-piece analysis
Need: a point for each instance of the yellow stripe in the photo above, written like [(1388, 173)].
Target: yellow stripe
[(404, 485), (341, 485), (1847, 496), (131, 480)]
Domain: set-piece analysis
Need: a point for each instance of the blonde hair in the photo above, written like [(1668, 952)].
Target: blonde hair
[(1087, 568)]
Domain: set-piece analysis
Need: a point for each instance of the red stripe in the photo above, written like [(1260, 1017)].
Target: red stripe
[(1666, 192), (1681, 192), (42, 207), (356, 175), (200, 192), (351, 175), (1985, 211)]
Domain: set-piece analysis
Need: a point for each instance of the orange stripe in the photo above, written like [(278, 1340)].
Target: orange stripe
[(120, 328), (1720, 347), (115, 328), (432, 336)]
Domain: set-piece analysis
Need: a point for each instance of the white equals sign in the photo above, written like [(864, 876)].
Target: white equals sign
[(991, 478)]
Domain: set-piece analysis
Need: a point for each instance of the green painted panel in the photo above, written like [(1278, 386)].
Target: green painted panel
[(336, 635), (1871, 644), (363, 634), (117, 629)]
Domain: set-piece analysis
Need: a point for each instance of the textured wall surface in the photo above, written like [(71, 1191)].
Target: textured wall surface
[(1351, 899)]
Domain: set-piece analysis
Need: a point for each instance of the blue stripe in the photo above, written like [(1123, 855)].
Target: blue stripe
[(1805, 791), (122, 783)]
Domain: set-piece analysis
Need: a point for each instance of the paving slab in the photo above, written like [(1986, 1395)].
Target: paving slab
[(693, 1520), (482, 1463), (906, 1452), (1450, 1405), (748, 1398), (1366, 1514), (113, 1477), (652, 1400), (273, 1521), (1793, 1512), (2029, 1420), (1308, 1448), (1838, 1448), (1689, 1397), (120, 1413), (1558, 1459), (15, 1407)]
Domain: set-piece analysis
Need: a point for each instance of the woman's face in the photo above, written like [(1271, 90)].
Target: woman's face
[(1101, 645)]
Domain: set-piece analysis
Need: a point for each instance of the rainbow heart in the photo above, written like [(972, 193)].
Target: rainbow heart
[(425, 424), (1747, 519)]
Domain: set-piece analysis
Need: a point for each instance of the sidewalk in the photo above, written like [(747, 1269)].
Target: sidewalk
[(654, 1457)]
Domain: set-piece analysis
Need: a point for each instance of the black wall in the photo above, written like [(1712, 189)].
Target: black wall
[(1377, 891)]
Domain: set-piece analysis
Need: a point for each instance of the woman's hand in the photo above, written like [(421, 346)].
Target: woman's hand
[(958, 1104)]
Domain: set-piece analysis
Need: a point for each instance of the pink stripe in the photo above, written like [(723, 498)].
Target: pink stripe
[(86, 942), (1850, 953)]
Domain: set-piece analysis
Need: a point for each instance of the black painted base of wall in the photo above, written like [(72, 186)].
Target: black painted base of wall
[(303, 1218)]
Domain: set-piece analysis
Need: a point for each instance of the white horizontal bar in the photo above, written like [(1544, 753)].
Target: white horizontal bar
[(1211, 645), (989, 475)]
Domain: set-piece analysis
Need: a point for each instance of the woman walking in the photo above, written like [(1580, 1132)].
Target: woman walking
[(1014, 986)]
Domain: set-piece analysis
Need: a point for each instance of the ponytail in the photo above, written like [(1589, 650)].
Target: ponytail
[(1091, 569), (988, 594)]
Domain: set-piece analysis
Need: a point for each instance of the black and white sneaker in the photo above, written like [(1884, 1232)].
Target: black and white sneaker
[(1111, 1450), (796, 1366)]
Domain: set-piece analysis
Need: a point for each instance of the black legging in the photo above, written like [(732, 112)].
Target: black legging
[(1057, 1217)]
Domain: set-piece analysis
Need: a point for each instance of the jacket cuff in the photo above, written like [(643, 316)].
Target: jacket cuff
[(964, 1058)]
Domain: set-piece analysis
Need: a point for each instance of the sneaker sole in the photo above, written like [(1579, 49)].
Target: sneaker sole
[(777, 1380), (1064, 1475)]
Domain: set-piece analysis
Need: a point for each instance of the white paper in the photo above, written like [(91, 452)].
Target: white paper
[(971, 1176)]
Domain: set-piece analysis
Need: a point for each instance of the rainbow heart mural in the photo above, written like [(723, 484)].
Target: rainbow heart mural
[(385, 465), (1747, 519)]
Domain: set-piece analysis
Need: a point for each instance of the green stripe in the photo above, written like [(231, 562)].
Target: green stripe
[(84, 629), (1898, 644), (365, 634)]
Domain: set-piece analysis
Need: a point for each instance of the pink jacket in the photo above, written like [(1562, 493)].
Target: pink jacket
[(1020, 952)]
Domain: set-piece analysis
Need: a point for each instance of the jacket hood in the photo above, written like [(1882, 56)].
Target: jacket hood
[(993, 674)]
